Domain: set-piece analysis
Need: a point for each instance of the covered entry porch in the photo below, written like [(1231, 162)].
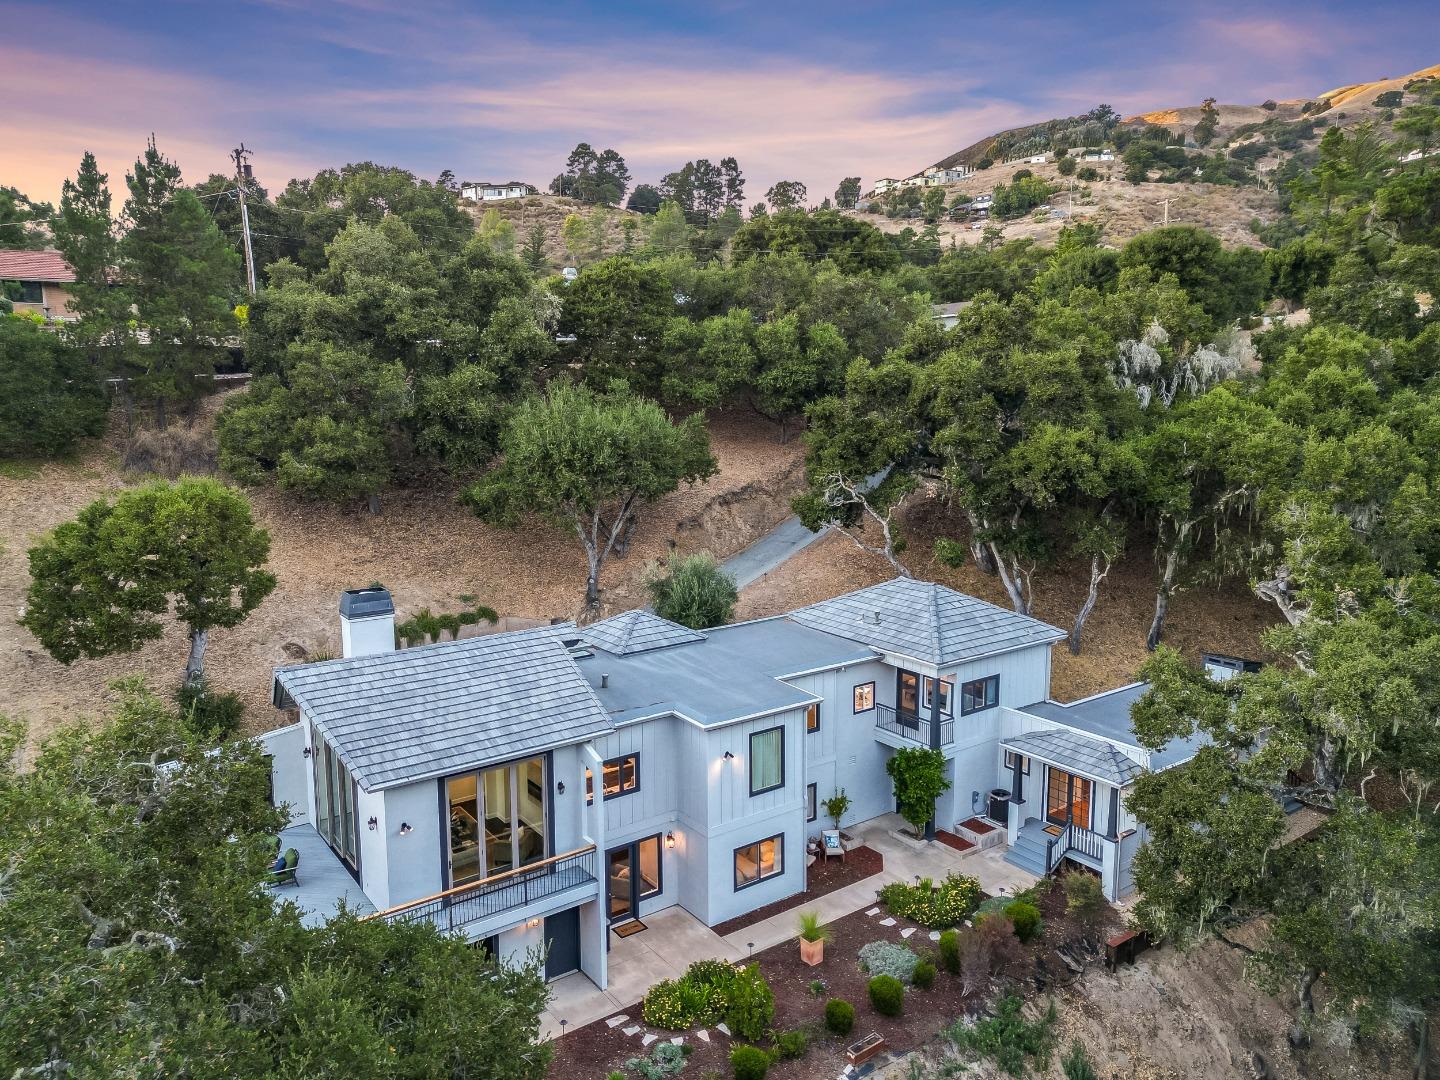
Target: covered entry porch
[(1066, 793)]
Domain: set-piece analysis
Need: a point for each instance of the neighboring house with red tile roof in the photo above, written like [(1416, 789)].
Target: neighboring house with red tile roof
[(42, 277)]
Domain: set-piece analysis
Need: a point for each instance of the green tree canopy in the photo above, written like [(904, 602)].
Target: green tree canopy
[(590, 461), (49, 395), (694, 591), (103, 583)]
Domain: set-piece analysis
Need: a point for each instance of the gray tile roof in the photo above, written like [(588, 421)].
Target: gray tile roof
[(733, 672), (926, 621), (398, 717), (1108, 715), (636, 632), (1079, 754)]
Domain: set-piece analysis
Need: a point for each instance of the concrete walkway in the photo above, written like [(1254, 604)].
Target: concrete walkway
[(673, 938)]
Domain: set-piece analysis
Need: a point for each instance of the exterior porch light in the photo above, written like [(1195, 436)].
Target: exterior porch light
[(307, 751), (373, 822), (560, 787), (729, 756), (406, 828), (669, 839)]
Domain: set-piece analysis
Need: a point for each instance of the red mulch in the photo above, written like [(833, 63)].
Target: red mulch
[(977, 825), (949, 839), (596, 1050), (824, 876)]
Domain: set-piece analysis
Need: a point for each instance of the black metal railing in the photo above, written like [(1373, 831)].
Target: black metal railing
[(1074, 838), (499, 893), (911, 725)]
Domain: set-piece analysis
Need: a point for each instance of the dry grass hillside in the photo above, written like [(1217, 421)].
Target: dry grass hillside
[(1120, 208), (550, 212), (424, 546)]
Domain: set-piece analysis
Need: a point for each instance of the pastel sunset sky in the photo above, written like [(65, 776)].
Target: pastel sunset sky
[(807, 91)]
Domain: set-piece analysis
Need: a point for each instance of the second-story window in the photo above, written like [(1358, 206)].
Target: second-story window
[(946, 704), (865, 697), (620, 776), (980, 694), (812, 717), (767, 760)]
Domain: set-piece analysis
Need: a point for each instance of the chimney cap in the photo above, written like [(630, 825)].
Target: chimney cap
[(366, 603)]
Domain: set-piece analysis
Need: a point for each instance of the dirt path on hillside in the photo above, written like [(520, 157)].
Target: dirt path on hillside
[(1226, 620), (425, 547)]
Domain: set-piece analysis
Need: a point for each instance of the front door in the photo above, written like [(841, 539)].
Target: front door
[(562, 942), (1067, 799)]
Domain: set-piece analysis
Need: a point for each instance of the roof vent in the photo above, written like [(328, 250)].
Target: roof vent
[(604, 680), (875, 617)]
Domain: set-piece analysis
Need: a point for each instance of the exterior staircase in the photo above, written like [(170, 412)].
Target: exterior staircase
[(1028, 851)]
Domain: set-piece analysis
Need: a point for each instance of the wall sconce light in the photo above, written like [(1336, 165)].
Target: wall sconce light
[(406, 828), (669, 839), (560, 787), (307, 751), (729, 756), (373, 823), (533, 923)]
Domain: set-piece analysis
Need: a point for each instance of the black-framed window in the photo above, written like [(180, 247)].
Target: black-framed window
[(812, 717), (767, 760), (947, 703), (649, 867), (864, 697), (759, 861), (589, 786), (1010, 762), (812, 802), (620, 776), (978, 694)]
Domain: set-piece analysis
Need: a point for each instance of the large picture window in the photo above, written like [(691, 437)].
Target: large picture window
[(980, 694), (758, 861), (767, 760), (864, 697), (497, 820)]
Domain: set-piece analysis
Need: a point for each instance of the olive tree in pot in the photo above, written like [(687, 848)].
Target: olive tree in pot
[(813, 935), (837, 806)]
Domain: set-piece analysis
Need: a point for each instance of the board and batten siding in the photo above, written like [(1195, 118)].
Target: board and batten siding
[(641, 812), (844, 752)]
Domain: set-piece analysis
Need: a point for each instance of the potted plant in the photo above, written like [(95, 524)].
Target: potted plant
[(813, 935), (837, 806)]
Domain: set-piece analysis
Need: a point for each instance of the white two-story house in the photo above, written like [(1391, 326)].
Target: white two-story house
[(537, 788)]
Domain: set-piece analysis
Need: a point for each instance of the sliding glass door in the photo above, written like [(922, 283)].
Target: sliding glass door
[(335, 803), (497, 820)]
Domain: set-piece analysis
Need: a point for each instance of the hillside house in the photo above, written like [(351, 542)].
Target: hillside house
[(947, 315), (541, 787), (882, 186), (488, 192), (42, 278)]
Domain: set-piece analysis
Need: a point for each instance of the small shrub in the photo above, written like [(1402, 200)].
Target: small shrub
[(666, 1059), (1084, 897), (1076, 1064), (749, 1004), (212, 716), (173, 452), (924, 975), (694, 592), (616, 1075), (674, 1004), (839, 1016), (1087, 173), (811, 928), (888, 958), (950, 951), (1025, 917), (817, 988), (887, 995), (792, 1044), (749, 1063), (1008, 1037), (949, 905)]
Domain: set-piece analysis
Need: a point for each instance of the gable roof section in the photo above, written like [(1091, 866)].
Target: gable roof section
[(1079, 754), (16, 265), (399, 717), (925, 621), (636, 632)]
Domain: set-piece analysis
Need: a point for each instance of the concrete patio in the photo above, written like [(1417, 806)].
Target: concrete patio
[(322, 880), (674, 938)]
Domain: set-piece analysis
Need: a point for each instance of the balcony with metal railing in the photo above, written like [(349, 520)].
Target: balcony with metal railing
[(500, 894), (911, 727)]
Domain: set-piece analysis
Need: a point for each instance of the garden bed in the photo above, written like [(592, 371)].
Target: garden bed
[(949, 839), (821, 878)]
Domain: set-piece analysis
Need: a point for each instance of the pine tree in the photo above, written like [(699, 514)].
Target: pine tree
[(85, 235), (179, 270)]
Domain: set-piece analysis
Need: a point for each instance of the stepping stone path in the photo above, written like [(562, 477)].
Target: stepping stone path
[(722, 1029), (873, 912), (703, 1035), (934, 935), (907, 931), (678, 1040), (887, 922), (648, 1039), (616, 1021), (632, 1030)]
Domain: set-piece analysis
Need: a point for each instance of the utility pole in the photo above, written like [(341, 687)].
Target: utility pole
[(243, 173)]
